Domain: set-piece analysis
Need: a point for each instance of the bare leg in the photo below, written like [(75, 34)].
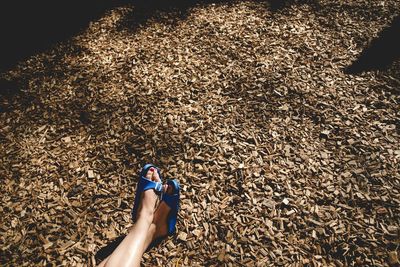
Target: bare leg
[(103, 263), (159, 226), (129, 252)]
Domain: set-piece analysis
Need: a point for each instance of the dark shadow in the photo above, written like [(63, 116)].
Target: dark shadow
[(161, 11), (8, 88), (358, 11), (106, 251), (12, 87), (277, 5), (382, 51), (29, 27)]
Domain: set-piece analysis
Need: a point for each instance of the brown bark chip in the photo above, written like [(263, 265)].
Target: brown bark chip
[(284, 160)]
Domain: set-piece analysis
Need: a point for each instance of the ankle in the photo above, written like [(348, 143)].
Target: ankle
[(146, 214)]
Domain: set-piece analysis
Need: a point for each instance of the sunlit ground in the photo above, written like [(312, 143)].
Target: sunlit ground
[(284, 158)]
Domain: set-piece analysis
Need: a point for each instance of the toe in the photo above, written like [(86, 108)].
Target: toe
[(155, 177), (149, 174)]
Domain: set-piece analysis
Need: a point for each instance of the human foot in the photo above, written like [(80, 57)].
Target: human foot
[(166, 212), (149, 186), (149, 198), (161, 216)]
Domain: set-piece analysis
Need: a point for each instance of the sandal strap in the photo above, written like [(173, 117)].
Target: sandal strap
[(172, 199), (173, 202), (146, 184)]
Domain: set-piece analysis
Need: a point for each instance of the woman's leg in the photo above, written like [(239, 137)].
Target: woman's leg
[(159, 226), (129, 252)]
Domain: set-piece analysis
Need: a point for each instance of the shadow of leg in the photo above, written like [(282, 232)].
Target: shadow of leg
[(106, 251), (381, 53)]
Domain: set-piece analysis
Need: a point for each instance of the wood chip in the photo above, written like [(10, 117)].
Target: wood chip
[(284, 158)]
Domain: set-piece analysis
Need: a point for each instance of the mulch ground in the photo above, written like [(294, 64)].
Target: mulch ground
[(283, 158)]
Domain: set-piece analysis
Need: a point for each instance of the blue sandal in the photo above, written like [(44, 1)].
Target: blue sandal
[(145, 184), (173, 202)]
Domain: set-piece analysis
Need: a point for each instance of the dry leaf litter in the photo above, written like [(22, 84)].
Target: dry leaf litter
[(283, 158)]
